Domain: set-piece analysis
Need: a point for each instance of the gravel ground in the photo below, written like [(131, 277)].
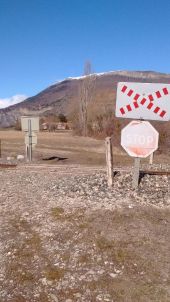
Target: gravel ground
[(64, 236)]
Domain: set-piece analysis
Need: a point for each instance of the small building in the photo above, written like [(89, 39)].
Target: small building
[(44, 126)]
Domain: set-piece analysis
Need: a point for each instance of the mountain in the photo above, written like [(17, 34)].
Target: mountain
[(58, 97)]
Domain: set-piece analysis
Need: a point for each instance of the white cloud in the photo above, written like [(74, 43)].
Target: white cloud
[(6, 102)]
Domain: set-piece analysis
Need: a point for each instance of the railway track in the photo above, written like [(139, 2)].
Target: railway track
[(77, 169)]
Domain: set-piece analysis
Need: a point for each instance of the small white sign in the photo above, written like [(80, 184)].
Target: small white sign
[(139, 139), (34, 123), (33, 139), (147, 101)]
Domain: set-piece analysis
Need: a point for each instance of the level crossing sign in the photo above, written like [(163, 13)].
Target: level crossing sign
[(144, 101)]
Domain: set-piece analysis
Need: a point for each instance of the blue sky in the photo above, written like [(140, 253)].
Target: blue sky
[(42, 41)]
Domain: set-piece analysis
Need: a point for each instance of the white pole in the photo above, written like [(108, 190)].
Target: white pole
[(30, 140)]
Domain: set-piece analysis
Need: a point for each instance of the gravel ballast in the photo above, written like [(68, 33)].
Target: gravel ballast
[(66, 237)]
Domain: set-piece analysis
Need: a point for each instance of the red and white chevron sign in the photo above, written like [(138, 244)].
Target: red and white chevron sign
[(148, 101)]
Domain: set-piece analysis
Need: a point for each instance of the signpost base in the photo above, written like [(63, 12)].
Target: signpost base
[(136, 172), (151, 159)]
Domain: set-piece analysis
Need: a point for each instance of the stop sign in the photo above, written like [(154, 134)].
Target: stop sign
[(139, 139)]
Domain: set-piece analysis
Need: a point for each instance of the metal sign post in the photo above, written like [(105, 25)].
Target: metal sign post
[(139, 139), (141, 101), (30, 125), (30, 140), (151, 159), (136, 173)]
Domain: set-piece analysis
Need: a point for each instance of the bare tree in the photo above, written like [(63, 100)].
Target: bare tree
[(87, 88)]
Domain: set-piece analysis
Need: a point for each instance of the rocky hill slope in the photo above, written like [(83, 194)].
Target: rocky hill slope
[(56, 98)]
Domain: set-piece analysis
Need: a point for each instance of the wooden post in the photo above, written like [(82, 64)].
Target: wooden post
[(151, 159), (0, 149), (109, 161), (136, 173)]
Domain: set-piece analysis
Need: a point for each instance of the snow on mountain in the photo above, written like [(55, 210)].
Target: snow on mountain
[(6, 102)]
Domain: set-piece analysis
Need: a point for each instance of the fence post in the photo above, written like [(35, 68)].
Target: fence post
[(109, 161)]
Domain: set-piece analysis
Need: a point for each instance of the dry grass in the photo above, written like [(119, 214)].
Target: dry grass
[(57, 212), (53, 273), (77, 150)]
